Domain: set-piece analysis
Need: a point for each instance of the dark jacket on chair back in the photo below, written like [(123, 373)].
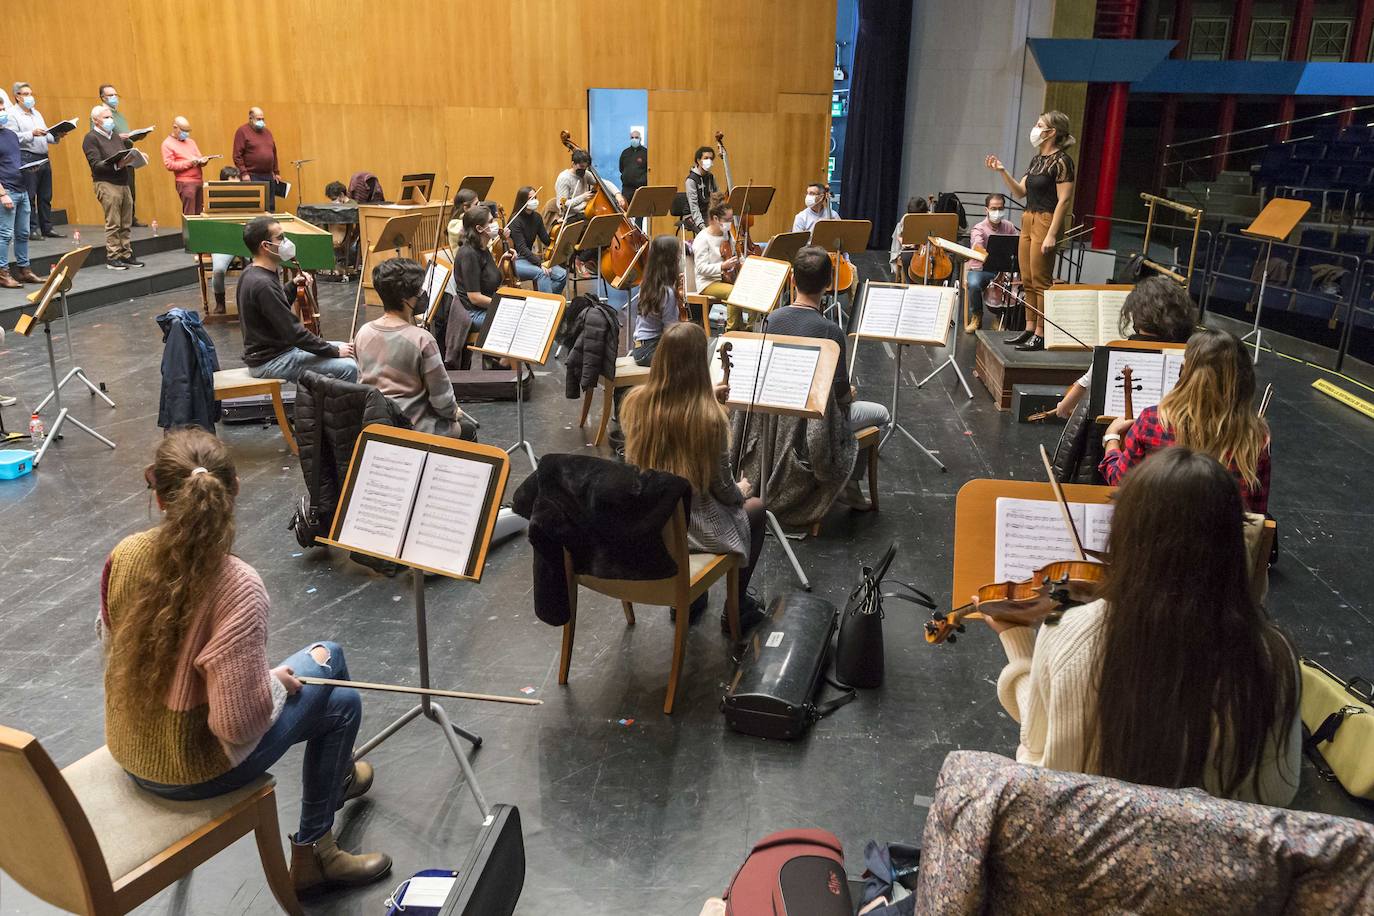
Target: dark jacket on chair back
[(189, 363), (608, 515), (593, 337)]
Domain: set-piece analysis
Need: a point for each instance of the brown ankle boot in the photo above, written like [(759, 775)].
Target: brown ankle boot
[(26, 275), (356, 783), (8, 282), (319, 866), (219, 304)]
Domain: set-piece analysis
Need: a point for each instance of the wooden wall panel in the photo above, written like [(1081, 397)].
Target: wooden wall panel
[(454, 87)]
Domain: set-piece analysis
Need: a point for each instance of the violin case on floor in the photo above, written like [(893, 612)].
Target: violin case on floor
[(774, 691)]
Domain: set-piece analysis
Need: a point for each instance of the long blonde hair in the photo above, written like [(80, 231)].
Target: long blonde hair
[(188, 549), (673, 422), (1212, 409)]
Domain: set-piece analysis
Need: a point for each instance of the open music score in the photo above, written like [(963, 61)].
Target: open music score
[(780, 374), (759, 284), (1153, 374), (424, 501), (1030, 533), (521, 325), (915, 314), (972, 254), (438, 269), (1089, 313)]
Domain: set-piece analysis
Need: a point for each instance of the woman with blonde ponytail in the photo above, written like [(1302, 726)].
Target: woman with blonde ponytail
[(1211, 409), (192, 709)]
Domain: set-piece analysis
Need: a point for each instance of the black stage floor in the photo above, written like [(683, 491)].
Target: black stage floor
[(625, 810)]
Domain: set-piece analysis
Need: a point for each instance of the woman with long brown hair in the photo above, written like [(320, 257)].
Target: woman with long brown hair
[(658, 296), (192, 709), (1047, 187), (675, 423), (1211, 409), (1175, 677)]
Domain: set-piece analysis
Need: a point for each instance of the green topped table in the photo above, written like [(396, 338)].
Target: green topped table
[(222, 233)]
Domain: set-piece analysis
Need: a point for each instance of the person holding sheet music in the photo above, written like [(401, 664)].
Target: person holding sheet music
[(1047, 186), (1157, 310), (979, 281), (109, 97), (401, 359), (1175, 677), (34, 140), (812, 273), (675, 423), (181, 156), (475, 271), (526, 228), (255, 153), (275, 343), (1211, 409), (711, 266), (112, 186), (192, 708)]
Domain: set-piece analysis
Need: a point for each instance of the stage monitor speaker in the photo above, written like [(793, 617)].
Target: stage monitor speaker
[(493, 874)]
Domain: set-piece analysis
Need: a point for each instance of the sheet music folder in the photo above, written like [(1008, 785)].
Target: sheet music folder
[(794, 375), (1155, 368), (520, 325), (906, 314), (427, 502)]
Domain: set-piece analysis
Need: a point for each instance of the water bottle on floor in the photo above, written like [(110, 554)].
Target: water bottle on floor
[(36, 428)]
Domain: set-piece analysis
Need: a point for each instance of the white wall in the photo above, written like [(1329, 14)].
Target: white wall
[(972, 89)]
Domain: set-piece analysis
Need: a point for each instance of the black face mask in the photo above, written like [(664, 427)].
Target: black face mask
[(580, 172)]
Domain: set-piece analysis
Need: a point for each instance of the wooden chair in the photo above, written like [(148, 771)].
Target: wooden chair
[(696, 572), (238, 383), (868, 438), (702, 305), (87, 839), (628, 374)]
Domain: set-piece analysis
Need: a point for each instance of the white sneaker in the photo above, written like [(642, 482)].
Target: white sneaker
[(853, 496)]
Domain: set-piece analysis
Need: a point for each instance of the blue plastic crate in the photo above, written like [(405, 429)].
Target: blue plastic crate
[(15, 462)]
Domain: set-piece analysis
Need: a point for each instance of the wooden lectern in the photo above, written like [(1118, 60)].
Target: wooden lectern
[(372, 220)]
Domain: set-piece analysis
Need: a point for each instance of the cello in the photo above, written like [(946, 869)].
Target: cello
[(620, 259)]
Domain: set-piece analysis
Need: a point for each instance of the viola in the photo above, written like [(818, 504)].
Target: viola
[(684, 313), (306, 307), (728, 251), (620, 259), (1044, 597)]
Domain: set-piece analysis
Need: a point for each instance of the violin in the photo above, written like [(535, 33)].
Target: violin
[(680, 287), (1128, 385), (306, 306), (1050, 591), (501, 248), (620, 259)]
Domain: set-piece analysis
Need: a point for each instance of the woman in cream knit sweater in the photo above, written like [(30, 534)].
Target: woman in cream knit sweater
[(1174, 677)]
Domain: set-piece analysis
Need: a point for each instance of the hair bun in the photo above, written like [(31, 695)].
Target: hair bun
[(199, 470)]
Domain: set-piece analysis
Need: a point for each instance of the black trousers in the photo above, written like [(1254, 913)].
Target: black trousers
[(38, 182)]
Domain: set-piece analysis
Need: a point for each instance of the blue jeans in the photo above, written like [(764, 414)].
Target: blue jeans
[(978, 281), (219, 268), (289, 366), (551, 282), (325, 718), (861, 415), (14, 224)]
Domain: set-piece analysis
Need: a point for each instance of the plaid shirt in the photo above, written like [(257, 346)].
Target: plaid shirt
[(1149, 434)]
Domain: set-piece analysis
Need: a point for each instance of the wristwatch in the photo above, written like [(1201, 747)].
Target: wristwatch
[(1110, 437)]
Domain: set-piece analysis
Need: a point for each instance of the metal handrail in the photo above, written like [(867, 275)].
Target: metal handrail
[(1244, 149), (1247, 130)]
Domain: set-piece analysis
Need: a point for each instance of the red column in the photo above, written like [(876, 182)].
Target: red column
[(1359, 51), (1302, 31), (1114, 129), (1183, 26)]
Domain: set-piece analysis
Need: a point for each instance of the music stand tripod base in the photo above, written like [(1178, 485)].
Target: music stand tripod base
[(773, 524), (431, 710), (76, 372), (1275, 223), (63, 414), (896, 425)]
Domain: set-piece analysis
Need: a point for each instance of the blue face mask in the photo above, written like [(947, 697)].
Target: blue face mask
[(634, 141), (4, 118), (259, 124), (28, 103), (184, 134), (113, 102), (107, 124)]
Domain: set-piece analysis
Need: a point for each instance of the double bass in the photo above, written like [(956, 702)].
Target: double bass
[(744, 222), (619, 259)]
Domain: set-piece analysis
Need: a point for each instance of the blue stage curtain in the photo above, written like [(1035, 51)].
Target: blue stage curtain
[(871, 174)]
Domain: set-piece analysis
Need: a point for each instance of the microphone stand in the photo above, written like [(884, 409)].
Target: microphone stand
[(298, 163)]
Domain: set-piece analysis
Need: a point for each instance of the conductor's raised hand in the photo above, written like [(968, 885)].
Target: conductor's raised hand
[(993, 163)]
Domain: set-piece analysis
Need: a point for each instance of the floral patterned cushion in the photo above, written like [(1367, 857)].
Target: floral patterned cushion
[(1007, 838)]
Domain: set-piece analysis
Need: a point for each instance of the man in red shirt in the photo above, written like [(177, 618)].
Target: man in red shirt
[(181, 156), (255, 153)]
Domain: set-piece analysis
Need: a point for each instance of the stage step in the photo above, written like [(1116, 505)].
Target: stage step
[(44, 254), (96, 285)]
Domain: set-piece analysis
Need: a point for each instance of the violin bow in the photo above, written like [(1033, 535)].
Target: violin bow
[(1267, 397), (1057, 325), (1063, 504)]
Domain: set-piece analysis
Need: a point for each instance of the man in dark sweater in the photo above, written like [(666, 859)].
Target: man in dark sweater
[(811, 271), (275, 343), (14, 212), (111, 180), (255, 153), (634, 166), (699, 185)]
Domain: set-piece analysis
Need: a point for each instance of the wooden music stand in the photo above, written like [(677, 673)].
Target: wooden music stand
[(841, 236), (1275, 223), (398, 234), (598, 234), (785, 245), (417, 188), (822, 381), (477, 184), (899, 341), (59, 280), (521, 357), (758, 286), (412, 514), (650, 201), (751, 200)]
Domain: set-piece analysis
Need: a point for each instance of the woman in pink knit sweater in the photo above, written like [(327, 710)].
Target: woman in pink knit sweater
[(192, 709)]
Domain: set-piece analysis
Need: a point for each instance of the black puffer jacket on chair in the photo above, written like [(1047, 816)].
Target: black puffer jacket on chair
[(330, 415)]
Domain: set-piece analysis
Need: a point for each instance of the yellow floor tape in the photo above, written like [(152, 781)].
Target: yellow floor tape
[(1345, 397)]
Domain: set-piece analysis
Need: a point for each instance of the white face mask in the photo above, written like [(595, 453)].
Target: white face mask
[(634, 141), (811, 200), (706, 164), (532, 204), (494, 230), (286, 249), (996, 216), (1037, 135)]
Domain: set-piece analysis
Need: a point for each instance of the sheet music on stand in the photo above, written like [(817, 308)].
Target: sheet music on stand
[(1153, 373), (438, 269), (780, 374), (521, 326), (915, 314), (1089, 313), (1031, 533), (759, 284)]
